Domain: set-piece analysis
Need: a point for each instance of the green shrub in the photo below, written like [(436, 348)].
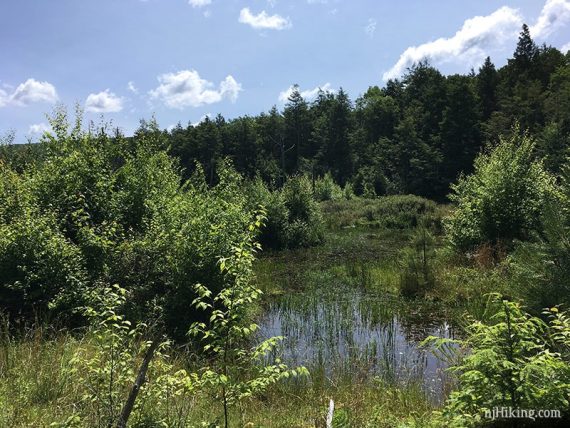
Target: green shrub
[(503, 199), (515, 360), (542, 267), (103, 209), (348, 191), (237, 371), (305, 226), (417, 264), (38, 266), (326, 189), (369, 182), (293, 216)]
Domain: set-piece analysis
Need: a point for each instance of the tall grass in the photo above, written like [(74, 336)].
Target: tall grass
[(390, 212), (38, 389)]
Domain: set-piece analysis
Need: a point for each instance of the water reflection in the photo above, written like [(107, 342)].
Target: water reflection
[(347, 333)]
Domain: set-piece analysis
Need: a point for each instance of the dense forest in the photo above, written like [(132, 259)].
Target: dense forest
[(414, 135), (399, 261)]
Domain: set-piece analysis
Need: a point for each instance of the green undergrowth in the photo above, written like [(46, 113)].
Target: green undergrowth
[(39, 388)]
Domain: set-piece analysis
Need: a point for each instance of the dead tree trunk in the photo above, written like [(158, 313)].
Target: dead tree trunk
[(140, 380)]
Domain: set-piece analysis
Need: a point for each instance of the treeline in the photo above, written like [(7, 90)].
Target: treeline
[(415, 135)]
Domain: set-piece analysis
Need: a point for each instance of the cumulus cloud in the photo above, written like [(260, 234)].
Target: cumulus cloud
[(199, 3), (263, 21), (33, 91), (470, 44), (308, 94), (563, 49), (39, 128), (554, 14), (104, 102), (370, 29), (186, 88), (29, 92)]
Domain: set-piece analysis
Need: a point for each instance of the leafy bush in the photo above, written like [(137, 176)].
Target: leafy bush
[(515, 360), (236, 372), (293, 217), (348, 191), (503, 199), (38, 266), (369, 182), (305, 220), (106, 367), (542, 266), (103, 209)]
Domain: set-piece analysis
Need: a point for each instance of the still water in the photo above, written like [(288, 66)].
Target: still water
[(343, 333)]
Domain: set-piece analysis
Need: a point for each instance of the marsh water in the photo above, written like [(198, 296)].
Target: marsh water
[(345, 333)]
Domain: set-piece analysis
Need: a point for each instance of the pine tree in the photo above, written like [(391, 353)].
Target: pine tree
[(524, 57), (459, 129), (487, 81), (526, 50), (297, 130)]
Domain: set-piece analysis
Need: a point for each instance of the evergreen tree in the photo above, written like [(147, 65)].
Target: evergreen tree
[(459, 132), (297, 130), (487, 80), (270, 131), (526, 50), (336, 152), (415, 162)]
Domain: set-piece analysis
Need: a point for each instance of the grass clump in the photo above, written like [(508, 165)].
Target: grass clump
[(398, 212)]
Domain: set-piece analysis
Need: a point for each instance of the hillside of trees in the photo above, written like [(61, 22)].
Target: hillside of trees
[(415, 135)]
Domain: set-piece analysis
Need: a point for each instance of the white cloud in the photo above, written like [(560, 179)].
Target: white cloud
[(371, 27), (4, 98), (230, 88), (202, 119), (131, 87), (31, 91), (39, 128), (104, 102), (308, 94), (199, 3), (565, 48), (554, 14), (469, 45), (263, 21), (186, 88)]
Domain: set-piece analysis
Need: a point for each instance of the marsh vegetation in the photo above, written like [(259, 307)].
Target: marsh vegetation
[(158, 280)]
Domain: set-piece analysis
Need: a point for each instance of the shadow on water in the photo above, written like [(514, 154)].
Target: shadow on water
[(345, 333)]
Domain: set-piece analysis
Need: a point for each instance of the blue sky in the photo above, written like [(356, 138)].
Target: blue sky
[(183, 59)]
